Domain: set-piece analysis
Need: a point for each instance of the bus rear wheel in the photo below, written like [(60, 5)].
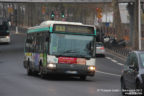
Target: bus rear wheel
[(29, 71)]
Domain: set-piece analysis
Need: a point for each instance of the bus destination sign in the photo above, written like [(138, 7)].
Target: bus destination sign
[(73, 29)]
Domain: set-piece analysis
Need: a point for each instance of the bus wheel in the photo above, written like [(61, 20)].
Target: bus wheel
[(82, 77), (29, 71), (42, 75), (123, 87)]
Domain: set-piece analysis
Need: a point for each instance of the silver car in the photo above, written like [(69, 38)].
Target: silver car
[(100, 50)]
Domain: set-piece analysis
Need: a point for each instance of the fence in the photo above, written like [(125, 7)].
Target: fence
[(124, 51)]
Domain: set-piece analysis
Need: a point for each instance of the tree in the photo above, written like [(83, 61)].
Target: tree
[(135, 36), (117, 20)]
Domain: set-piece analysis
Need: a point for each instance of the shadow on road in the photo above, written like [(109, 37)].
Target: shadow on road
[(100, 56), (60, 78), (4, 44)]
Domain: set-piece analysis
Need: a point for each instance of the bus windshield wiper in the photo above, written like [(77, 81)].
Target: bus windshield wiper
[(70, 51), (82, 56)]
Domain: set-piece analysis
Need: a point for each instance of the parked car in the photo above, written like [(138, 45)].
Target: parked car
[(106, 39), (100, 50), (132, 78)]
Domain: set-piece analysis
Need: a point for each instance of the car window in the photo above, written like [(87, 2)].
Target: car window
[(128, 60), (99, 44), (142, 59), (132, 60), (135, 61)]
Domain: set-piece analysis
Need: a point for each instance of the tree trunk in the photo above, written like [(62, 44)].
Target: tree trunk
[(117, 20), (135, 45)]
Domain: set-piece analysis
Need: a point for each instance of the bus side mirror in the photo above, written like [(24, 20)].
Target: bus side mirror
[(132, 67)]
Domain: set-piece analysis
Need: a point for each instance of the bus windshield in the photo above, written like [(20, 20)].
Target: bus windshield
[(70, 45)]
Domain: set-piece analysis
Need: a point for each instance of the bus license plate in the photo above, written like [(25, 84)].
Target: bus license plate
[(71, 72)]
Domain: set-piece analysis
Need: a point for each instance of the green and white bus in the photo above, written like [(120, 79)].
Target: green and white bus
[(59, 47)]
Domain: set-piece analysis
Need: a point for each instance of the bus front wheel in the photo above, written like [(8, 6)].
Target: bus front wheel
[(42, 75)]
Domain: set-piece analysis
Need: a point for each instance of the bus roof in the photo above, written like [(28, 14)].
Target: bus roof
[(50, 22), (45, 25)]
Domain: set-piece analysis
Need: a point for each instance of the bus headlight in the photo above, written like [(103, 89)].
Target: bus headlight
[(7, 37), (51, 66), (91, 68)]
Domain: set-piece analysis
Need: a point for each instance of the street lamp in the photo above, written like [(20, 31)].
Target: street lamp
[(52, 15), (62, 14)]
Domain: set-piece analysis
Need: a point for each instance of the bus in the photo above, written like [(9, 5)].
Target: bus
[(4, 31), (60, 47)]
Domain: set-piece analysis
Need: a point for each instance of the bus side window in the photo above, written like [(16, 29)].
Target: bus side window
[(28, 43), (37, 42), (46, 42), (40, 42), (33, 43)]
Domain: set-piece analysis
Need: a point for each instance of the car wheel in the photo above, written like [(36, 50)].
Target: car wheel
[(139, 87), (123, 88), (82, 77)]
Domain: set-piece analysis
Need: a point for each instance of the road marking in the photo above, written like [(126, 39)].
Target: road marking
[(108, 57), (108, 73), (120, 64), (114, 61)]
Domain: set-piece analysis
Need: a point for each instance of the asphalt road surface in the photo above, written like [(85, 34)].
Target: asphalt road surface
[(15, 82)]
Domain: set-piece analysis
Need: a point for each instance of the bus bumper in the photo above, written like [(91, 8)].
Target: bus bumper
[(70, 69)]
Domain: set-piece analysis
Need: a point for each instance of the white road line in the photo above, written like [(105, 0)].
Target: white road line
[(120, 64), (114, 61), (108, 57), (108, 73)]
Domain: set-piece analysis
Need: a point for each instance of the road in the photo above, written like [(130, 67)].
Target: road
[(15, 82)]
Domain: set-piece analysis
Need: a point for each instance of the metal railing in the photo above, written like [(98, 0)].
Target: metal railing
[(119, 49)]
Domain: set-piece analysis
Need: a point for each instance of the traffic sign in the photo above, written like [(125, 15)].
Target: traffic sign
[(107, 24), (99, 13), (10, 10), (43, 9), (99, 16)]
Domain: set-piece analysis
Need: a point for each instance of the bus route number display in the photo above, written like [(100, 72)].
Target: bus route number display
[(74, 29)]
